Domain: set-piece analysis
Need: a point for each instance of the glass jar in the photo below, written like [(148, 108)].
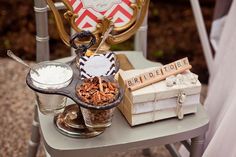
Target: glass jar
[(95, 118), (50, 104), (100, 115), (52, 75)]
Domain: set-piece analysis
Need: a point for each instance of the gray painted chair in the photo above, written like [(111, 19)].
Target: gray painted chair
[(162, 133)]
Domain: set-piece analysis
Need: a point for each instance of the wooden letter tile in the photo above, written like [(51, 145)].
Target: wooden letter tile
[(158, 74), (185, 61), (182, 64), (179, 64), (133, 82), (147, 77), (168, 69)]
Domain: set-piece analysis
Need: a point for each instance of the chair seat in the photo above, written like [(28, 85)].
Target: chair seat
[(121, 136)]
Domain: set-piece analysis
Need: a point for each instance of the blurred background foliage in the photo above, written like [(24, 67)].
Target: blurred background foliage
[(172, 32)]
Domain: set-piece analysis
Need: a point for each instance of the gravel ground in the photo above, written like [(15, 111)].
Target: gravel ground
[(16, 112)]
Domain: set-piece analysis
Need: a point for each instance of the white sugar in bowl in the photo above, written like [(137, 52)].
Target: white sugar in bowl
[(52, 75)]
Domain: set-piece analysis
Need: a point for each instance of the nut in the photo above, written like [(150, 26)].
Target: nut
[(97, 92)]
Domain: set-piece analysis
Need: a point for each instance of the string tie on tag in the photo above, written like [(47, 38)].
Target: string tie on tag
[(154, 104), (179, 106)]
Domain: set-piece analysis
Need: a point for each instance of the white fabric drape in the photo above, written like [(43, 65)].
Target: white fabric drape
[(220, 14), (216, 30), (221, 101)]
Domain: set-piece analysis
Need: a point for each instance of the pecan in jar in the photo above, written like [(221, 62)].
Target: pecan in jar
[(97, 92)]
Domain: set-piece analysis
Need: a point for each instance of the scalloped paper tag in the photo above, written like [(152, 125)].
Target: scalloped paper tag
[(97, 65)]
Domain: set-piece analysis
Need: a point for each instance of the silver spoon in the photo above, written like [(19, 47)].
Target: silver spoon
[(19, 60)]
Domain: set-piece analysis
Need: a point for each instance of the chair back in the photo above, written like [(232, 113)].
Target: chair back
[(126, 16)]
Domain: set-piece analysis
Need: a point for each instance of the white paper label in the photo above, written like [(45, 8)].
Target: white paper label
[(100, 5), (97, 65)]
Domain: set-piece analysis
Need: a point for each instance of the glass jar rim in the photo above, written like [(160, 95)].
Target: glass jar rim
[(105, 107), (47, 63), (110, 105)]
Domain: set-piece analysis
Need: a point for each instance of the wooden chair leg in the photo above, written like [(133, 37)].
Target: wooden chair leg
[(187, 144), (172, 150), (197, 146), (35, 135)]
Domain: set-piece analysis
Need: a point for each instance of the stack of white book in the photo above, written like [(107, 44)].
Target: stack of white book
[(159, 100)]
